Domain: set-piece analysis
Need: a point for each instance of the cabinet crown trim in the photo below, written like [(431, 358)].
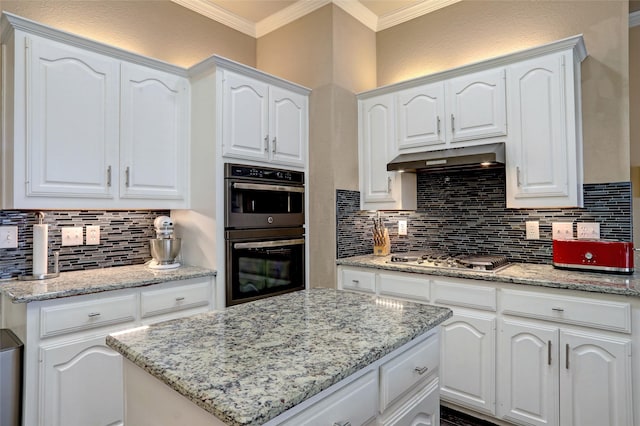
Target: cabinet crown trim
[(575, 43), (10, 22)]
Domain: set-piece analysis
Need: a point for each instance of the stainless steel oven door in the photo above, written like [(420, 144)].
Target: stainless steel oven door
[(263, 263), (263, 205)]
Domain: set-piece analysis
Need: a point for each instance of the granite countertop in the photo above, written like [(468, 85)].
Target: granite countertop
[(249, 363), (75, 283), (517, 273)]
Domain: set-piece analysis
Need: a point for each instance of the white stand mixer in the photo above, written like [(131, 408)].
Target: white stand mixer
[(164, 248)]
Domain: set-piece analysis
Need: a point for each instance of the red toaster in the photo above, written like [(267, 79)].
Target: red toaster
[(594, 255)]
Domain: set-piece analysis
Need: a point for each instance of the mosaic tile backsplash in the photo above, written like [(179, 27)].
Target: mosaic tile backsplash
[(465, 212), (124, 239)]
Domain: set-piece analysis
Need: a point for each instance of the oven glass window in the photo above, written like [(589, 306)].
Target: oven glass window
[(261, 271), (265, 202)]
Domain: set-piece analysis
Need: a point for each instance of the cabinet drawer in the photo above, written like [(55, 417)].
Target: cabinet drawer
[(401, 286), (459, 293), (403, 372), (599, 314), (72, 317), (156, 302), (355, 404), (421, 409), (359, 280)]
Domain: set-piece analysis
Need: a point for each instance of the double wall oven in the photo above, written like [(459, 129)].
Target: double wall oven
[(264, 232)]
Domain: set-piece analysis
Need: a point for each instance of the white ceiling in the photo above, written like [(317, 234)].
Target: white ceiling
[(259, 17)]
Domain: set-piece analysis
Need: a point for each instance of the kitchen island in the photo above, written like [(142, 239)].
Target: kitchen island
[(270, 360)]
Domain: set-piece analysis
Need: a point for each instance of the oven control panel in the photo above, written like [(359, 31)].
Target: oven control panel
[(263, 173)]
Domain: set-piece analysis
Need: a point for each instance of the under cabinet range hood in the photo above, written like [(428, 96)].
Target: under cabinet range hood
[(463, 158)]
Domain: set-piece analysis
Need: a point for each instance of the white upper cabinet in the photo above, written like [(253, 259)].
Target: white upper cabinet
[(380, 189), (420, 117), (72, 121), (154, 119), (83, 128), (544, 156), (477, 105), (263, 122)]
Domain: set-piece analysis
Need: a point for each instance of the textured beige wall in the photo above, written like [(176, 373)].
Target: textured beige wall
[(471, 31), (159, 29), (333, 54)]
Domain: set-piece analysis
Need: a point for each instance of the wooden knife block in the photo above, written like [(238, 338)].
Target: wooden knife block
[(384, 249)]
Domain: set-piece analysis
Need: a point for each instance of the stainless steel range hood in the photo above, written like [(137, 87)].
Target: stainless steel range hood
[(470, 157)]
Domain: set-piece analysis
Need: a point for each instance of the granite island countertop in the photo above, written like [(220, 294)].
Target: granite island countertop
[(249, 363), (517, 273), (75, 283)]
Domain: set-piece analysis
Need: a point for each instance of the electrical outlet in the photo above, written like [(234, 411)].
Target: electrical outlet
[(533, 229), (72, 236), (562, 230), (588, 231), (402, 227), (8, 237), (93, 235)]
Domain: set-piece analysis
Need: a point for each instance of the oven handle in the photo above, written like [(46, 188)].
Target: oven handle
[(263, 244), (264, 187)]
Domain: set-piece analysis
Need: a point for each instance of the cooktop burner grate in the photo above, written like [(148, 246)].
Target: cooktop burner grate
[(437, 259)]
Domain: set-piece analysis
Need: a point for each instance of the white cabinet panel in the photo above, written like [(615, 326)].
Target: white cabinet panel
[(423, 409), (72, 119), (420, 115), (288, 126), (154, 130), (178, 298), (358, 280), (84, 384), (467, 360), (413, 287)]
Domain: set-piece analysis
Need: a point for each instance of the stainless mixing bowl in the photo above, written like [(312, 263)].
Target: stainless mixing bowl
[(165, 250)]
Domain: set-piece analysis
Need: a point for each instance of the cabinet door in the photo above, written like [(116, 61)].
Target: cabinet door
[(541, 155), (423, 409), (595, 380), (420, 115), (467, 360), (81, 384), (154, 143), (72, 110), (288, 118), (477, 105), (528, 373), (245, 110)]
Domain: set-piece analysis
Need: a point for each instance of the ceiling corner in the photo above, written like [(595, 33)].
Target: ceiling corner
[(288, 15), (359, 12), (220, 15)]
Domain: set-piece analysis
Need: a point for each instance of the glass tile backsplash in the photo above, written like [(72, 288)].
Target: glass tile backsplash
[(124, 239), (465, 212)]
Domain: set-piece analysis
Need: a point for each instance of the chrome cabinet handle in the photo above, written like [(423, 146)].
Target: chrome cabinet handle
[(557, 309), (567, 350), (179, 299), (94, 314), (518, 176), (273, 147), (453, 124), (126, 177), (355, 281), (421, 370), (109, 176), (389, 184), (549, 352), (347, 423), (438, 124), (266, 143)]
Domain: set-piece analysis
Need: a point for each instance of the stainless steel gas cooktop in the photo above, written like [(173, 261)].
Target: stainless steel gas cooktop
[(434, 259)]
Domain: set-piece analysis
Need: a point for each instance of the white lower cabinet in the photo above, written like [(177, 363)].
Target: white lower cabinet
[(71, 378), (421, 410), (82, 384), (535, 357)]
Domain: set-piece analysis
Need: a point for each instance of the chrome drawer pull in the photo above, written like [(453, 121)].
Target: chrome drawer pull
[(420, 370), (355, 281), (94, 314), (557, 309), (342, 424), (179, 299), (549, 352)]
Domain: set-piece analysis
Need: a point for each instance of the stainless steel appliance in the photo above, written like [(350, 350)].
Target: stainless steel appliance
[(594, 255), (435, 259), (262, 197), (463, 158), (264, 232), (165, 247)]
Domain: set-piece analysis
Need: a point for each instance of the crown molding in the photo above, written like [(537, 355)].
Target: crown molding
[(410, 12), (360, 12), (634, 19), (287, 15), (303, 7), (218, 14)]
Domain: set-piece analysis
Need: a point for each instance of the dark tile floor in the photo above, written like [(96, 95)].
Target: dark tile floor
[(449, 417)]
